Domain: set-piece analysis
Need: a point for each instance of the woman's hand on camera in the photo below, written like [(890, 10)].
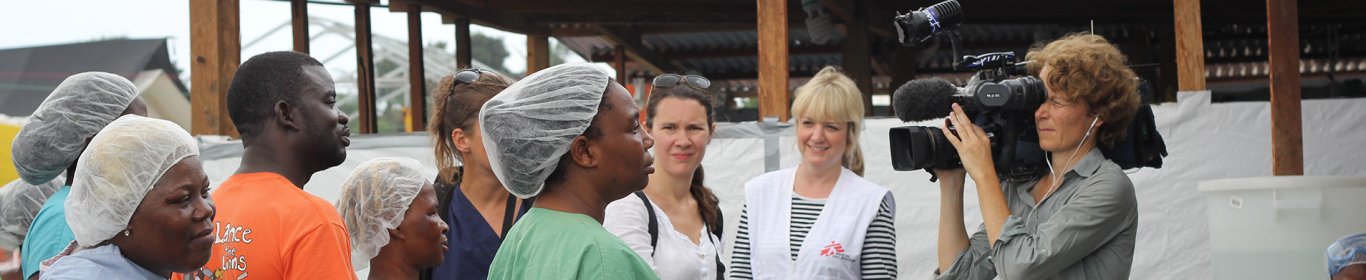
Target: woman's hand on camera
[(972, 143)]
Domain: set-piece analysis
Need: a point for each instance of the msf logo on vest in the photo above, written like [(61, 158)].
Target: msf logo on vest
[(835, 250)]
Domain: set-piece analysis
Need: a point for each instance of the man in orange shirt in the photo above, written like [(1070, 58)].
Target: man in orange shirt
[(284, 106)]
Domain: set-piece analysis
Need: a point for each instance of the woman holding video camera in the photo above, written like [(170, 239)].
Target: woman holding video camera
[(1079, 220)]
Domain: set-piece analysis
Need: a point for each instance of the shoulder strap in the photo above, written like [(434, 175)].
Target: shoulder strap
[(654, 222), (444, 192), (720, 224), (509, 213), (720, 268), (717, 230)]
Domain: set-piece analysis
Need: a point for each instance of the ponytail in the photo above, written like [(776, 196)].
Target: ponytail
[(707, 203)]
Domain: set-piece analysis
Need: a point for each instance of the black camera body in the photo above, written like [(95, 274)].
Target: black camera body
[(999, 99)]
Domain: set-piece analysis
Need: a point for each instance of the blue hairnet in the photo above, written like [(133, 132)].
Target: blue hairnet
[(1347, 251), (79, 107)]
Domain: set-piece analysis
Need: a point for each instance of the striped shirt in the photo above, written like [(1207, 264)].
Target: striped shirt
[(876, 261)]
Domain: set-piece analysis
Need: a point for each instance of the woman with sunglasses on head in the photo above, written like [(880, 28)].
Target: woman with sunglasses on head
[(675, 223), (470, 199), (821, 219)]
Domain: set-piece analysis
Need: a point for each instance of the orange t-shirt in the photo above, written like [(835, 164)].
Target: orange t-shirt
[(266, 228)]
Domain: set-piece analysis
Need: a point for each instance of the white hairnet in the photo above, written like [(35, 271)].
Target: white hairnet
[(374, 199), (529, 125), (121, 165), (76, 110), (19, 204)]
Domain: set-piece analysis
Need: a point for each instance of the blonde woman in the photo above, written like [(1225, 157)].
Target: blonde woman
[(820, 219)]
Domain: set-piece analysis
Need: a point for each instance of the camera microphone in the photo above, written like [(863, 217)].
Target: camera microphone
[(924, 99), (918, 26)]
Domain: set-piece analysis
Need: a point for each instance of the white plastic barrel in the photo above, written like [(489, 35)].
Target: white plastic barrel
[(1279, 227)]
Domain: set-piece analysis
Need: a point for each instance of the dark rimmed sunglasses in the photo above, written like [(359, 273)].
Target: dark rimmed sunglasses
[(671, 80), (468, 76)]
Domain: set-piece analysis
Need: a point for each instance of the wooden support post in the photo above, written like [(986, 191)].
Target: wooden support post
[(464, 56), (773, 91), (1283, 33), (365, 70), (1190, 47), (857, 61), (537, 52), (216, 48), (619, 61), (298, 11), (417, 80)]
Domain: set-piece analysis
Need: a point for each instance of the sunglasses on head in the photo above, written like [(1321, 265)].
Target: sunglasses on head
[(468, 76), (671, 80)]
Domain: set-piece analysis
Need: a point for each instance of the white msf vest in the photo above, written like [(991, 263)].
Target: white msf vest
[(831, 249)]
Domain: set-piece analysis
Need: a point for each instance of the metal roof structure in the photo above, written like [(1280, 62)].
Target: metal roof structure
[(1164, 42), (718, 39)]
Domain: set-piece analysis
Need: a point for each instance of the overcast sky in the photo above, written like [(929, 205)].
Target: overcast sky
[(37, 23)]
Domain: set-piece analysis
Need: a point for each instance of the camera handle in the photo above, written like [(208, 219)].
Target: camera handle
[(953, 43)]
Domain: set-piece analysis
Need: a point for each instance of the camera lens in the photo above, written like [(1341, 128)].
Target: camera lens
[(918, 147)]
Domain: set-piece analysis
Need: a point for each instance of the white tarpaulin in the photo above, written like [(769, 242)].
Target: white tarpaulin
[(1206, 141)]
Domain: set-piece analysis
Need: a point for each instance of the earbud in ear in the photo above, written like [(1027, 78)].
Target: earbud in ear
[(1093, 126)]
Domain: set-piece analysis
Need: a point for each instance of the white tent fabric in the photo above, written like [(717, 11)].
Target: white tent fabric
[(1206, 141)]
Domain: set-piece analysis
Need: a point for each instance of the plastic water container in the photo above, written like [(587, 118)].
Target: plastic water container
[(1280, 227)]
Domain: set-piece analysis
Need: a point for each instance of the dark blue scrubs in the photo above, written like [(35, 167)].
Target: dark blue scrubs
[(472, 241)]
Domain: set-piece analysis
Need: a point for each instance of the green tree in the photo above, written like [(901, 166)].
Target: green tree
[(489, 50), (558, 53), (391, 120)]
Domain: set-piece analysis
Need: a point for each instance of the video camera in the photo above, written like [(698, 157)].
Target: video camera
[(1001, 98)]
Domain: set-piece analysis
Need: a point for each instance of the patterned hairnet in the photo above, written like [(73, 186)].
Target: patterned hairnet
[(19, 204), (1347, 251), (529, 125), (121, 165), (80, 106), (374, 199)]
